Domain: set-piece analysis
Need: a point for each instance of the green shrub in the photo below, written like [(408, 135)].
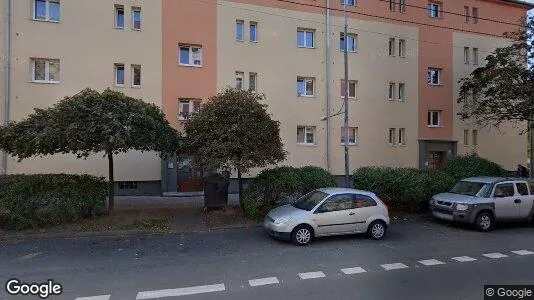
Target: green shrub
[(279, 186), (472, 165), (29, 201), (406, 189)]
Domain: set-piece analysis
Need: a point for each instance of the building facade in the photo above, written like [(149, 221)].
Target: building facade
[(405, 60)]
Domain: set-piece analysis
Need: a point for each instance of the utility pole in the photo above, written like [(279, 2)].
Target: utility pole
[(328, 83), (346, 100)]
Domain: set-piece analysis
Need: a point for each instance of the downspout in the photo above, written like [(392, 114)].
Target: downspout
[(328, 82), (7, 72)]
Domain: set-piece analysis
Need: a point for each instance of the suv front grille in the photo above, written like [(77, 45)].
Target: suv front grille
[(444, 203)]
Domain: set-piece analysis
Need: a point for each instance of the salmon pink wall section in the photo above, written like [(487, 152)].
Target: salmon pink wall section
[(189, 22)]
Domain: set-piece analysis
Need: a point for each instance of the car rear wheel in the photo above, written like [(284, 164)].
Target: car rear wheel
[(484, 221), (302, 235), (377, 230)]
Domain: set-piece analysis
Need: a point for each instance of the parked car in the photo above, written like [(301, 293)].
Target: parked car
[(483, 201), (329, 211)]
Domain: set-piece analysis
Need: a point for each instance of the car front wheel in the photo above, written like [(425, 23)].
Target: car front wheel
[(377, 230), (302, 235), (484, 221)]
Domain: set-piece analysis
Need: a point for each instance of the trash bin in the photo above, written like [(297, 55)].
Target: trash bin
[(215, 191)]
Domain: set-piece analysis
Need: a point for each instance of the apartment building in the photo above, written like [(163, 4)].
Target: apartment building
[(405, 60)]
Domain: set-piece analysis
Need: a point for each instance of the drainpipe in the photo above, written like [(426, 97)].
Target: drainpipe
[(7, 72), (328, 82)]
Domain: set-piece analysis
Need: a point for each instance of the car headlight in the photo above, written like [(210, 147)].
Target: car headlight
[(462, 207), (281, 221)]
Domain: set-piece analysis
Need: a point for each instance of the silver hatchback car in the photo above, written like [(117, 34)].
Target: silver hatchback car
[(329, 211)]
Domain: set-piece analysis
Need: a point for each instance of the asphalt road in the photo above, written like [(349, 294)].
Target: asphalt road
[(416, 260)]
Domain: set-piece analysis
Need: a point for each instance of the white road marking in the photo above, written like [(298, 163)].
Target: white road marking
[(263, 281), (311, 275), (494, 255), (464, 258), (394, 266), (355, 270), (431, 262), (181, 291), (523, 252), (101, 297)]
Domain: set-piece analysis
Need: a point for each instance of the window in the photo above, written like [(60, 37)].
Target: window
[(306, 38), (348, 2), (252, 82), (402, 92), (466, 55), (127, 185), (402, 136), (239, 80), (392, 5), (306, 135), (190, 55), (136, 18), (119, 74), (391, 94), (466, 14), (391, 47), (475, 137), (188, 107), (46, 10), (353, 87), (466, 137), (402, 6), (434, 118), (239, 25), (353, 135), (351, 42), (337, 202), (522, 188), (45, 70), (392, 132), (305, 86), (361, 201), (402, 48), (136, 75), (475, 15), (434, 10), (253, 31), (119, 16), (475, 56), (504, 190), (434, 76)]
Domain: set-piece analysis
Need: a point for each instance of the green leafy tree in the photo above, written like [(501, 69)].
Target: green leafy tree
[(233, 131), (91, 122)]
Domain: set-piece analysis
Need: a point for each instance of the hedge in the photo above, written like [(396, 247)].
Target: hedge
[(472, 165), (30, 201), (282, 185)]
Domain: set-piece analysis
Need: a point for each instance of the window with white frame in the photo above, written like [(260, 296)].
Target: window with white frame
[(391, 91), (239, 80), (187, 107), (434, 9), (392, 47), (466, 14), (475, 56), (45, 70), (136, 18), (434, 76), (239, 28), (402, 48), (190, 55), (351, 42), (46, 10), (434, 118), (401, 137), (466, 137), (475, 15), (392, 5), (119, 16), (353, 135), (402, 92), (402, 6), (305, 38), (119, 74), (305, 86), (392, 136), (348, 2), (353, 89), (253, 32), (466, 55), (252, 82), (136, 75), (306, 135), (475, 137)]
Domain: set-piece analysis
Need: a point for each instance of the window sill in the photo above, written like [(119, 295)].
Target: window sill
[(119, 85), (306, 145), (304, 47), (190, 66), (350, 98), (44, 82), (134, 29), (119, 28), (435, 126), (306, 96), (135, 86), (350, 145), (238, 40), (255, 42), (349, 52), (436, 84), (45, 20)]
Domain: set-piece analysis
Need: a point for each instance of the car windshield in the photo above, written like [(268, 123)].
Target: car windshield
[(309, 201), (469, 188)]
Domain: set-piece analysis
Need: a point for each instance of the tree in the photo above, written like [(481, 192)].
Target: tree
[(233, 131), (91, 122), (502, 90)]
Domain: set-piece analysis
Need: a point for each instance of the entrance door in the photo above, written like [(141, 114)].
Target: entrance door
[(189, 178), (436, 159)]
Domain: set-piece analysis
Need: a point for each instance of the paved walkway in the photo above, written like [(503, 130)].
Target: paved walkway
[(198, 201)]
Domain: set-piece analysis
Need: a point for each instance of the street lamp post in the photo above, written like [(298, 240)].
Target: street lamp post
[(346, 100)]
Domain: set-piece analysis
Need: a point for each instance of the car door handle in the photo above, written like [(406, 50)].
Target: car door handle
[(352, 213), (517, 201)]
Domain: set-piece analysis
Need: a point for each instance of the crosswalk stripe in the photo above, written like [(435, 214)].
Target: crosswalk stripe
[(523, 252), (464, 258), (494, 255), (263, 281), (431, 262), (355, 270), (181, 291), (394, 266), (311, 275)]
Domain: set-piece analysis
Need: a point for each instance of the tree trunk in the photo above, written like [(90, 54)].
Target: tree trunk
[(240, 183), (111, 184)]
